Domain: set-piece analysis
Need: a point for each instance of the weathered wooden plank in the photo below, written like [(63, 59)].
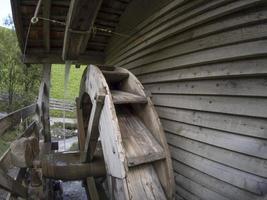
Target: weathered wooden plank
[(242, 144), (210, 41), (178, 197), (187, 195), (197, 189), (56, 58), (170, 19), (140, 146), (255, 127), (144, 183), (235, 177), (113, 76), (204, 30), (43, 102), (121, 97), (240, 68), (119, 43), (46, 24), (80, 125), (221, 155), (212, 183), (15, 117), (204, 14), (219, 54), (149, 116), (108, 124), (92, 131), (11, 185), (255, 107), (80, 21), (19, 178), (5, 160), (228, 87), (92, 190), (118, 188)]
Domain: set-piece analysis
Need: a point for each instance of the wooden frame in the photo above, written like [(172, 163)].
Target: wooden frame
[(15, 117), (43, 102), (80, 22)]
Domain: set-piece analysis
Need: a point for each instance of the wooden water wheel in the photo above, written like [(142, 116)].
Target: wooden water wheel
[(113, 106)]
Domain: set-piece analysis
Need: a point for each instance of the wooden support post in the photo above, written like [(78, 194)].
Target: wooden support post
[(80, 21), (92, 190), (92, 131), (12, 186), (46, 24), (19, 178), (43, 102), (80, 125)]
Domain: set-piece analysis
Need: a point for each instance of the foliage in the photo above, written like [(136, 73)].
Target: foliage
[(16, 79)]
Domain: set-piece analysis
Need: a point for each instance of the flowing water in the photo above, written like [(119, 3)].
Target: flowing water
[(66, 80)]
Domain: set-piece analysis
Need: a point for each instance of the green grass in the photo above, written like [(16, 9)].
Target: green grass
[(57, 86), (57, 82)]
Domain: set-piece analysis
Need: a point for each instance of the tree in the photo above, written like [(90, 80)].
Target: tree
[(16, 79)]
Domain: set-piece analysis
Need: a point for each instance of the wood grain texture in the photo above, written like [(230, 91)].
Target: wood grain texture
[(80, 20), (230, 158), (43, 102), (144, 183), (242, 144), (92, 131), (140, 146), (250, 126), (113, 150), (80, 125), (198, 189), (235, 177), (205, 67), (121, 97), (148, 115), (255, 107), (214, 184)]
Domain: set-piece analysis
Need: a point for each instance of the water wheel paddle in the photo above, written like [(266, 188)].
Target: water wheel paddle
[(113, 106)]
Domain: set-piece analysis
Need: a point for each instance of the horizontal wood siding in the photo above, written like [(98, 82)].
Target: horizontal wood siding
[(205, 64)]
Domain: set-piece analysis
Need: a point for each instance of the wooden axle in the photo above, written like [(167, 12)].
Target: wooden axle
[(67, 166)]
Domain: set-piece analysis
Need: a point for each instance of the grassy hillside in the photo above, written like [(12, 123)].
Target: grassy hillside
[(57, 86), (57, 81)]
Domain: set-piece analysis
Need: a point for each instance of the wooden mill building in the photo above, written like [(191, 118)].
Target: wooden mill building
[(202, 63)]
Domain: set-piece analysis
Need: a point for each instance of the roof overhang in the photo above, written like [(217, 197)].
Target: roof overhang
[(66, 29)]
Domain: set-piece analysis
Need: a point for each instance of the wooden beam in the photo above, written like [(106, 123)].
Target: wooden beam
[(15, 117), (5, 159), (12, 186), (93, 132), (80, 21), (18, 178), (46, 24), (17, 18), (80, 125), (91, 187), (55, 58), (43, 102)]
